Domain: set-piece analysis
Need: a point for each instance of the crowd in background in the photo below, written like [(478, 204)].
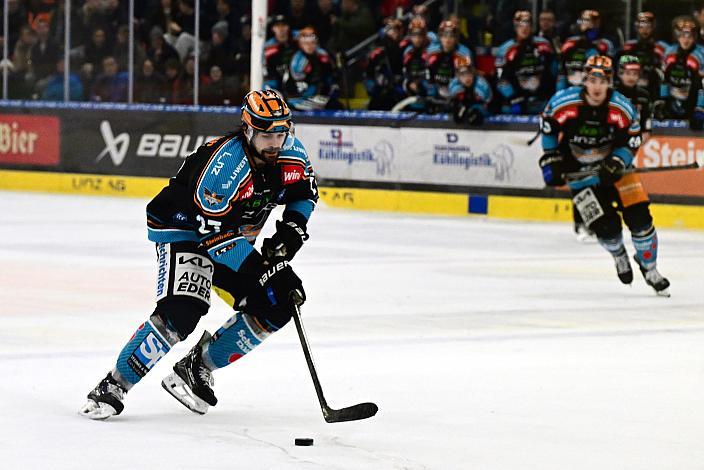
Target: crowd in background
[(472, 61)]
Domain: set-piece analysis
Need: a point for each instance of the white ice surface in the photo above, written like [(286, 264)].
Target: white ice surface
[(487, 345)]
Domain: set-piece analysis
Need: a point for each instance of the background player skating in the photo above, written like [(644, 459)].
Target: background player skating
[(595, 127), (204, 224)]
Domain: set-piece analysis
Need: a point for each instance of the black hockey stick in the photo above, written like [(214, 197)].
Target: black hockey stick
[(586, 173), (351, 413), (534, 138)]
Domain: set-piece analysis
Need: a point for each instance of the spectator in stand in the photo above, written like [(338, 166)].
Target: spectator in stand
[(226, 11), (111, 85), (44, 52), (220, 54), (181, 32), (470, 94), (94, 52), (54, 88), (121, 50), (311, 84), (298, 15), (682, 96), (323, 21), (441, 59), (577, 49), (416, 76), (162, 15), (150, 85), (243, 46), (384, 73), (354, 25), (183, 91), (103, 14), (21, 72), (526, 68), (174, 86), (548, 29), (278, 52), (699, 14), (218, 90), (160, 52), (17, 16)]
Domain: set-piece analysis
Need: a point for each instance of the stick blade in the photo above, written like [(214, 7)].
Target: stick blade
[(351, 413)]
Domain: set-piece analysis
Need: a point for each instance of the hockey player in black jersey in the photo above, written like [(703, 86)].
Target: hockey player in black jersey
[(204, 224), (681, 92), (594, 128), (629, 72), (650, 53)]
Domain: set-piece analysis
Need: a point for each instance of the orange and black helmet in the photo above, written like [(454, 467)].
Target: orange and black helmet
[(463, 63), (684, 24), (645, 17), (417, 26), (599, 65), (266, 111), (522, 16), (448, 27)]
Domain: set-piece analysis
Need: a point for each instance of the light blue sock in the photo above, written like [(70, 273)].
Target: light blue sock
[(646, 245), (238, 336), (148, 345)]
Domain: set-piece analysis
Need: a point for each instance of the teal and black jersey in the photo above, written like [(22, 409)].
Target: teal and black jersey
[(221, 201), (589, 134)]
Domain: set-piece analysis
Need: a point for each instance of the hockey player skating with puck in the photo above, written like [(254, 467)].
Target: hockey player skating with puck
[(594, 127), (204, 224)]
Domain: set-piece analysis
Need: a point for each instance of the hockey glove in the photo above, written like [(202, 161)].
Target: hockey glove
[(552, 163), (285, 243), (273, 289), (611, 170)]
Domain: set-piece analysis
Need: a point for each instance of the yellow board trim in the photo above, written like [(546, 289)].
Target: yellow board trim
[(75, 183), (418, 202)]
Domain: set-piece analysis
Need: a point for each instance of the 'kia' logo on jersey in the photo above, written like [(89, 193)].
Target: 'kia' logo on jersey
[(115, 146)]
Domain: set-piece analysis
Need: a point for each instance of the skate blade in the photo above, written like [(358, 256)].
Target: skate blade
[(663, 293), (97, 411), (181, 392)]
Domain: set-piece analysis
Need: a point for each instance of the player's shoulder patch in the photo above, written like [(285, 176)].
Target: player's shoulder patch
[(299, 61), (619, 104), (504, 48), (463, 51), (224, 179), (698, 53), (294, 163), (564, 104)]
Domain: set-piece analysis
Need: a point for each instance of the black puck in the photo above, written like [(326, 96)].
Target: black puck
[(303, 441)]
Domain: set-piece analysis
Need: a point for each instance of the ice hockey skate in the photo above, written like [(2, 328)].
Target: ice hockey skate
[(654, 279), (105, 400), (191, 381), (623, 267)]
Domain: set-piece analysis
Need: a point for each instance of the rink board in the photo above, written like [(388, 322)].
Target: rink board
[(425, 202)]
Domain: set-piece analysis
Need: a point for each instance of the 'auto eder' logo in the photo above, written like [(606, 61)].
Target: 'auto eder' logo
[(115, 146)]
